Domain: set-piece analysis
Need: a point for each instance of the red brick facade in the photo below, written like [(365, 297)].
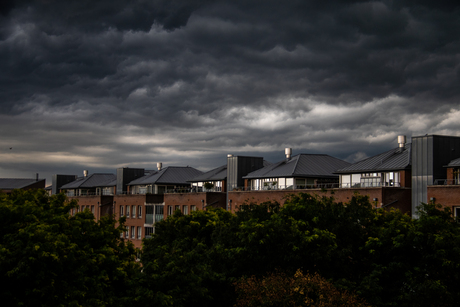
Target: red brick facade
[(388, 197), (446, 195), (186, 201), (134, 206)]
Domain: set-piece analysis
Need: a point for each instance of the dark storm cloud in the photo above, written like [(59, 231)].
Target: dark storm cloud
[(126, 83)]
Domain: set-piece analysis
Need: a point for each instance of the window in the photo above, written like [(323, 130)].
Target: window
[(140, 212), (457, 212), (133, 234), (370, 180), (177, 208), (170, 210), (122, 210), (92, 209), (192, 208), (185, 210), (139, 232), (159, 213), (127, 233), (148, 232), (149, 214), (134, 212), (128, 208), (121, 234)]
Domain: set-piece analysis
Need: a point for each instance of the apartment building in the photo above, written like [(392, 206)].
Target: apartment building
[(425, 169)]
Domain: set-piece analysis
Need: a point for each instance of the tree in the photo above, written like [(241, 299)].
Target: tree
[(50, 258), (385, 257)]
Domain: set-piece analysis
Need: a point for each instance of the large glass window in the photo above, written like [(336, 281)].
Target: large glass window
[(149, 214), (370, 180), (159, 213)]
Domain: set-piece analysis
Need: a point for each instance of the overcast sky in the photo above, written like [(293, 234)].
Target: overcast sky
[(99, 85)]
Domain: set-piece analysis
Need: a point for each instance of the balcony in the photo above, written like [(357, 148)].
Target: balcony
[(446, 182)]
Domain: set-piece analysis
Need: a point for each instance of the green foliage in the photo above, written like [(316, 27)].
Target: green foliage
[(208, 185), (383, 256), (50, 258)]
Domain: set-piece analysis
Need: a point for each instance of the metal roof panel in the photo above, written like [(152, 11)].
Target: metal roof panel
[(394, 159)]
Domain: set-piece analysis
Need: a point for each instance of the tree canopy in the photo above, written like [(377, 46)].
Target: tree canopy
[(312, 251), (384, 257), (51, 258)]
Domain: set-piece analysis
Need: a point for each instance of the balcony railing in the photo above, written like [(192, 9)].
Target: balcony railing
[(446, 182), (104, 193), (369, 185)]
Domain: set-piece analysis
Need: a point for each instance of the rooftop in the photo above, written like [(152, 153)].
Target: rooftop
[(394, 159), (302, 165)]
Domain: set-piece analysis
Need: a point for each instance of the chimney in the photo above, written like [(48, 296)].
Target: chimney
[(288, 152), (85, 173), (159, 165), (402, 141)]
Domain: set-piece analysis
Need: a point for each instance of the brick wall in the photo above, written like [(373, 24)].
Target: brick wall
[(133, 202), (446, 195), (399, 198), (199, 199)]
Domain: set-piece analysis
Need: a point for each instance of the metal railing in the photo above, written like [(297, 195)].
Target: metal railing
[(446, 182), (73, 194), (369, 185)]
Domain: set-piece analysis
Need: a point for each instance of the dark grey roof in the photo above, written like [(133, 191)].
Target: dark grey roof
[(394, 159), (92, 181), (14, 183), (217, 174), (169, 175), (454, 163), (302, 165)]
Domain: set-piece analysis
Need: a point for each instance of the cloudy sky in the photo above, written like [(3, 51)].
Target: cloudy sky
[(99, 85)]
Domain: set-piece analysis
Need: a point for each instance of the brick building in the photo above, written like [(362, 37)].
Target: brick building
[(402, 178)]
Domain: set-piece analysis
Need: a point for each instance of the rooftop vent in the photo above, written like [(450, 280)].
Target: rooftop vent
[(402, 141), (159, 165), (85, 173), (288, 152)]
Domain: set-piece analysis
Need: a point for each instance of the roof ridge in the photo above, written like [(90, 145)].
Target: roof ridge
[(162, 171), (296, 164)]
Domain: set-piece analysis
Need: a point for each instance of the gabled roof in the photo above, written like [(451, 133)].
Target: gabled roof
[(302, 165), (14, 183), (392, 160), (169, 175), (217, 174), (92, 181)]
